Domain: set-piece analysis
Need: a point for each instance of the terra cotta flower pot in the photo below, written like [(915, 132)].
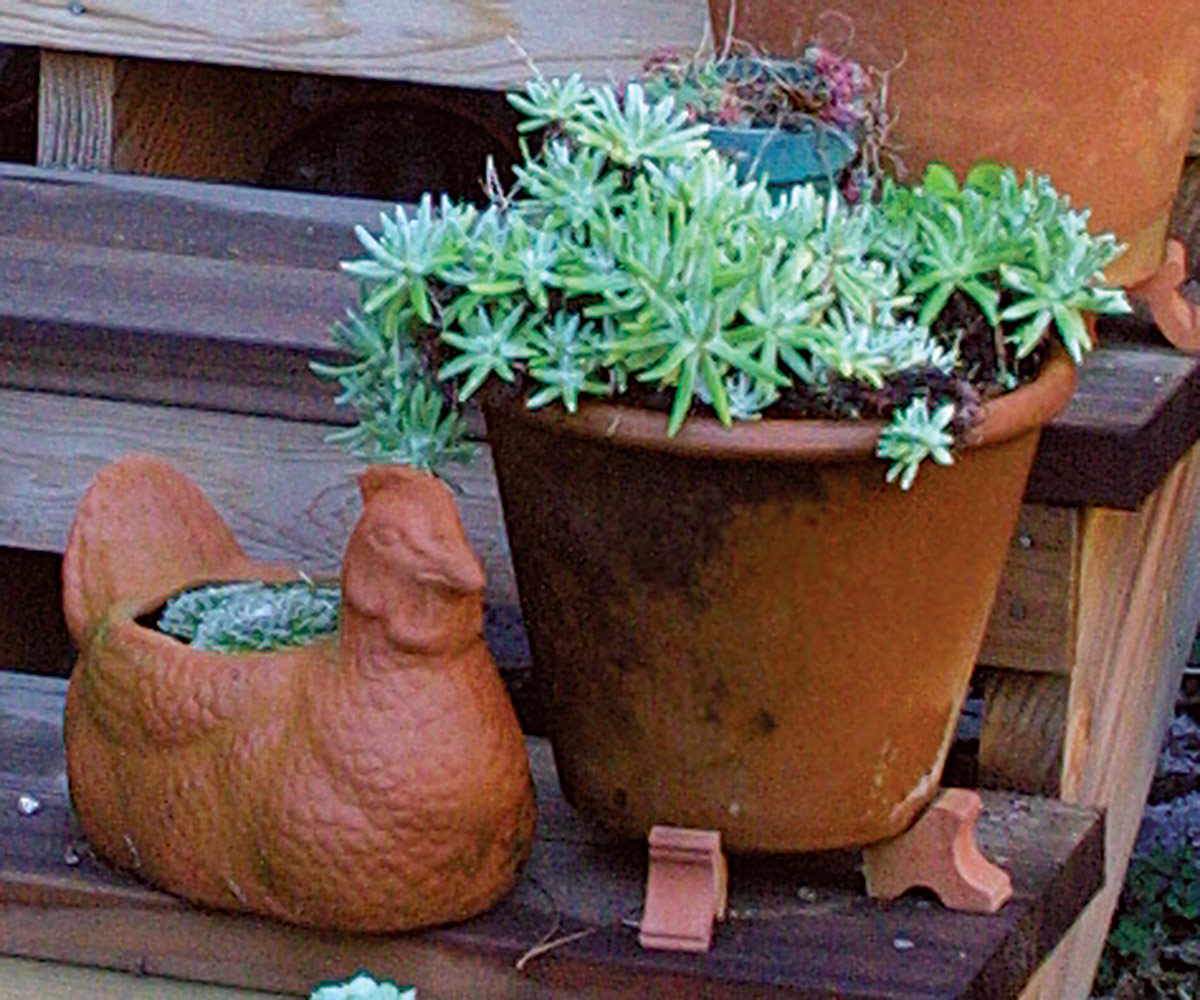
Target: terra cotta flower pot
[(747, 629)]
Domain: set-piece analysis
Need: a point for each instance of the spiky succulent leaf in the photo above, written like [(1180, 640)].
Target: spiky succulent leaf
[(915, 434), (629, 252)]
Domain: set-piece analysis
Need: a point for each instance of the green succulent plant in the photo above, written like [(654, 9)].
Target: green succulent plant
[(247, 617), (629, 260), (363, 987)]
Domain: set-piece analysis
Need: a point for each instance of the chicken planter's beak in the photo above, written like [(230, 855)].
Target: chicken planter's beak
[(460, 576)]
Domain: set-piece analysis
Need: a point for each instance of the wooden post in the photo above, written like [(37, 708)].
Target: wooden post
[(1138, 604), (168, 119), (76, 110), (1021, 743)]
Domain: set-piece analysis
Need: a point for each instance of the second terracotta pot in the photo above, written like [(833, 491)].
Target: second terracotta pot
[(747, 629), (1100, 97)]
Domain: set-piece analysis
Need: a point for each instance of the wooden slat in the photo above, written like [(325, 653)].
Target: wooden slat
[(75, 111), (1033, 620), (289, 496), (798, 927), (1139, 604), (476, 42), (23, 979), (170, 371), (222, 221), (211, 296), (171, 295), (214, 266), (1134, 415)]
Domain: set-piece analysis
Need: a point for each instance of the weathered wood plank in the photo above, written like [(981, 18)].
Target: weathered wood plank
[(1033, 619), (75, 111), (258, 380), (289, 496), (1139, 603), (473, 42), (23, 979), (223, 221), (1134, 415), (169, 295), (235, 273), (798, 927)]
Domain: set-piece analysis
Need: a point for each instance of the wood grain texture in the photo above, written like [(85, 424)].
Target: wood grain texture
[(195, 121), (236, 271), (169, 295), (289, 496), (149, 117), (224, 221), (1139, 603), (23, 979), (465, 42), (76, 125), (1134, 415), (1033, 620), (1024, 723), (798, 927)]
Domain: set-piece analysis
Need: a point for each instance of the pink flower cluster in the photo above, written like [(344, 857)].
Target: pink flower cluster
[(844, 86)]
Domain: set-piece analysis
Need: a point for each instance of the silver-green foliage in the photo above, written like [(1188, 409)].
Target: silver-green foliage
[(914, 435), (245, 617), (629, 252), (364, 987)]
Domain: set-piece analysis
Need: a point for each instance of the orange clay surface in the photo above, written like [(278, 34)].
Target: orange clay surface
[(375, 782)]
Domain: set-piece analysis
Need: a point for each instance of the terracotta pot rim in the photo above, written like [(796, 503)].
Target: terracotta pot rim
[(1006, 417)]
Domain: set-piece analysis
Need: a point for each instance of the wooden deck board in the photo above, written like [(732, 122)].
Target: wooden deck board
[(476, 42), (120, 286), (288, 494), (798, 927), (26, 979)]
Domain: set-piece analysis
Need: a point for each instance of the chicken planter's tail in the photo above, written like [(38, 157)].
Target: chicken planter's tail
[(141, 531)]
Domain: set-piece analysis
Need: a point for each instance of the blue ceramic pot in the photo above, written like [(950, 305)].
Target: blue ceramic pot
[(817, 153)]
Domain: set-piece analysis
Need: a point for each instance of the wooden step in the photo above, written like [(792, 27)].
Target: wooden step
[(797, 926)]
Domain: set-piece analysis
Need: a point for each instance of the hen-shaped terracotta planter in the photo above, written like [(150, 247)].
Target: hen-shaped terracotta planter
[(377, 781)]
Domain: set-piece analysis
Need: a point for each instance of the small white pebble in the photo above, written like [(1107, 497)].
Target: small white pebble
[(28, 804), (71, 856), (734, 809), (902, 944)]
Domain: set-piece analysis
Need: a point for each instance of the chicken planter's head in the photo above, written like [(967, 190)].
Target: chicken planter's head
[(408, 563)]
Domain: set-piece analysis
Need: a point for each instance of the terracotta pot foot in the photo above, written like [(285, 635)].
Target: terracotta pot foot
[(1177, 318), (939, 852), (686, 889)]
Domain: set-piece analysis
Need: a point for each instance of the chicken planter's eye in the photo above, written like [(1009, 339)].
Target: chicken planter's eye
[(385, 536)]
